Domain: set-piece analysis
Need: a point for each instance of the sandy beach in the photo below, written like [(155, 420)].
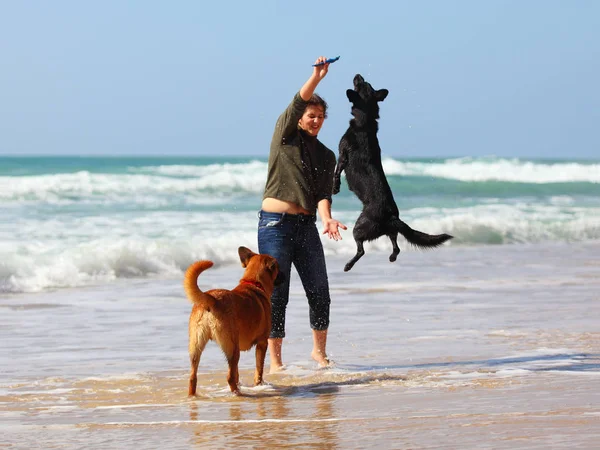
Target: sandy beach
[(137, 138), (471, 347)]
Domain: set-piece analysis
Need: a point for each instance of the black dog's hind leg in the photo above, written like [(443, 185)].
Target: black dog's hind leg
[(360, 251), (360, 233), (396, 250)]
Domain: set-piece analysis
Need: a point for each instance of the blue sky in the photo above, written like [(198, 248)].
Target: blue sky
[(466, 78)]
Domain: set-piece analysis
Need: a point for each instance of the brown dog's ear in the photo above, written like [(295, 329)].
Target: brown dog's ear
[(280, 278), (272, 264), (352, 95), (245, 255), (381, 94)]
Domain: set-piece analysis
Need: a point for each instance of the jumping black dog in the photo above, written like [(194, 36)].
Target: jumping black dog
[(360, 158)]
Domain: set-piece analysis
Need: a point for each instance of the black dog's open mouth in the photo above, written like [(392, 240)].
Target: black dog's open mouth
[(358, 81)]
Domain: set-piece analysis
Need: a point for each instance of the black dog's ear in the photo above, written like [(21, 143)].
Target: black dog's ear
[(352, 95), (381, 94), (245, 255)]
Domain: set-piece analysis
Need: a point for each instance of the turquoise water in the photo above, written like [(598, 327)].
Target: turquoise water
[(88, 219)]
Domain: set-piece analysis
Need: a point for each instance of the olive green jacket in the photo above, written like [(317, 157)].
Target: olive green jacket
[(300, 166)]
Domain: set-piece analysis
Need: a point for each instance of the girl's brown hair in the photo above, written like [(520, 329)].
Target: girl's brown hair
[(317, 100)]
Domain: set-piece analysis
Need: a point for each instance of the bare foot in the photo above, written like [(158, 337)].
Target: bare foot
[(276, 368), (322, 360)]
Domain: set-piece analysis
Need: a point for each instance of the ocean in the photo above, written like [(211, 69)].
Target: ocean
[(71, 221), (491, 341)]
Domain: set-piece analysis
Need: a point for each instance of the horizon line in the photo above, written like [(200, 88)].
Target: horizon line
[(265, 156)]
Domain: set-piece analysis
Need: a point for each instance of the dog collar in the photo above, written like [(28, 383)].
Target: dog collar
[(254, 283)]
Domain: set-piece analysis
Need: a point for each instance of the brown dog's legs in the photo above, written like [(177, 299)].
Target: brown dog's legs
[(233, 377), (261, 353), (196, 347), (195, 361)]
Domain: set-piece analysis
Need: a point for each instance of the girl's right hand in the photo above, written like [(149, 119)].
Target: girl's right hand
[(321, 71)]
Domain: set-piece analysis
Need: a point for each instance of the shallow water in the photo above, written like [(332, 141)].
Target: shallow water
[(467, 347)]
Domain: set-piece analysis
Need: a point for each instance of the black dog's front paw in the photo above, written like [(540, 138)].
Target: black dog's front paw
[(336, 188)]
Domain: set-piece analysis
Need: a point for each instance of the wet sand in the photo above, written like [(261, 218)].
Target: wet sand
[(490, 347)]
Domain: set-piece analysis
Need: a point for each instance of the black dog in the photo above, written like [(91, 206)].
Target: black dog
[(360, 158)]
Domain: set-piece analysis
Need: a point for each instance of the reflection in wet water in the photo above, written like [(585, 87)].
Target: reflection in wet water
[(268, 422)]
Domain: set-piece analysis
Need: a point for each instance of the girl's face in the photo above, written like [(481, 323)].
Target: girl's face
[(312, 119)]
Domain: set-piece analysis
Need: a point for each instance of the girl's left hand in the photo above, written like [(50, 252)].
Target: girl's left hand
[(331, 226)]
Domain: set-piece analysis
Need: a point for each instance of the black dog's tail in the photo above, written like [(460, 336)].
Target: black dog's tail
[(418, 238)]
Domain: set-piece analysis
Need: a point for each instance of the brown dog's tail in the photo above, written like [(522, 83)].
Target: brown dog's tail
[(418, 238), (190, 284)]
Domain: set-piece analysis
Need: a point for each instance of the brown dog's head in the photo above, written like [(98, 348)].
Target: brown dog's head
[(261, 268), (364, 99)]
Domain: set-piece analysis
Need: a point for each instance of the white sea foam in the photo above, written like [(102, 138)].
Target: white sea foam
[(147, 183), (511, 372), (68, 188), (497, 169), (225, 169), (69, 251)]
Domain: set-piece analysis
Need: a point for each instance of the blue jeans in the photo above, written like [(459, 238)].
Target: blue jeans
[(294, 239)]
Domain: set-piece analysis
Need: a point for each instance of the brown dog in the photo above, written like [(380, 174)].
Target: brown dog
[(237, 319)]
